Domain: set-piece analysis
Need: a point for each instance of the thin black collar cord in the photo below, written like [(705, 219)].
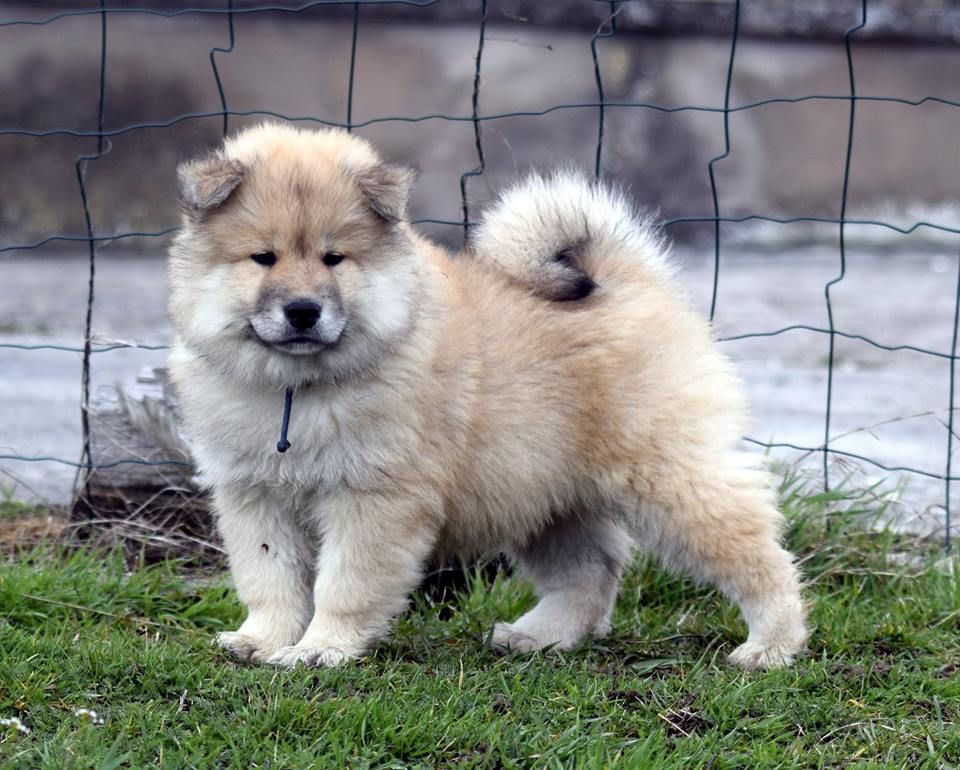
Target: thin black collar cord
[(283, 445)]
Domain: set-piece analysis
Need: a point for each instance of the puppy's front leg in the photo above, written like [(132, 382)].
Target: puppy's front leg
[(271, 562), (372, 556)]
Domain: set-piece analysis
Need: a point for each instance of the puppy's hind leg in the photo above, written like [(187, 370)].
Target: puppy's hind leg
[(575, 565), (718, 522)]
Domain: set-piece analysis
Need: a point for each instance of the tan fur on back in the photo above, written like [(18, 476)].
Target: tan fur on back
[(459, 412)]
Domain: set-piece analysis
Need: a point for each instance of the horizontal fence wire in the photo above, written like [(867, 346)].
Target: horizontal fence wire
[(584, 105), (218, 56)]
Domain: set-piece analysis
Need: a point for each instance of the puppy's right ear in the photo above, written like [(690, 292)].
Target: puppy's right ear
[(207, 182)]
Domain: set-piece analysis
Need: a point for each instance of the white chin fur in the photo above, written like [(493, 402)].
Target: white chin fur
[(300, 349)]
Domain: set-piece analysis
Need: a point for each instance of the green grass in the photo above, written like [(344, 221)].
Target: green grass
[(880, 687), (11, 509)]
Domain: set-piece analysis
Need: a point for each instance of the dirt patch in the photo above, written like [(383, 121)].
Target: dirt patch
[(500, 703), (683, 719), (854, 672), (881, 668), (346, 691), (949, 670), (884, 649), (30, 531), (685, 723), (627, 698)]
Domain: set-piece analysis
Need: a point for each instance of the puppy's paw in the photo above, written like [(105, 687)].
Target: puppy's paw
[(309, 657), (518, 637), (506, 638), (753, 656), (244, 646), (602, 629)]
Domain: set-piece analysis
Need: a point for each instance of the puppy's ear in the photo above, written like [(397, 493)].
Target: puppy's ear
[(386, 189), (207, 182)]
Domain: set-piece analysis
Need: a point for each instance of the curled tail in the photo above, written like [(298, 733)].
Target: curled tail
[(556, 234)]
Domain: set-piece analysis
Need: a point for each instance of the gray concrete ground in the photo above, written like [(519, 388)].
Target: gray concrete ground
[(889, 406)]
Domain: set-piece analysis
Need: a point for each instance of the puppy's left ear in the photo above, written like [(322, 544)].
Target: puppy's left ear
[(207, 182), (386, 189)]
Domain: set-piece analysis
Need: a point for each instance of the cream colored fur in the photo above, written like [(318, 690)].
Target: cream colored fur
[(456, 412)]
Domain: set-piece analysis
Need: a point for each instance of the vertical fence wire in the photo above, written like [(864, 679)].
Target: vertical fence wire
[(611, 30), (831, 358), (216, 72), (714, 160), (353, 65), (475, 118), (951, 410), (86, 459)]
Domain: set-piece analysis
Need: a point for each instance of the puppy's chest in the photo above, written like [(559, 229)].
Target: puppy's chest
[(332, 442)]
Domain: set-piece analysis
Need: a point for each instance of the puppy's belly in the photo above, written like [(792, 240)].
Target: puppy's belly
[(477, 525)]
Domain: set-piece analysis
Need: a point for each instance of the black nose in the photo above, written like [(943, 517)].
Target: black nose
[(302, 314)]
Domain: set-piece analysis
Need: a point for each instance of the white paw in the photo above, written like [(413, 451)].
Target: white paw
[(602, 629), (507, 639), (515, 637), (309, 657), (244, 646), (753, 655)]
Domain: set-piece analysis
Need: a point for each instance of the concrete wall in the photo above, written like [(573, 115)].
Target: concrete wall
[(785, 159)]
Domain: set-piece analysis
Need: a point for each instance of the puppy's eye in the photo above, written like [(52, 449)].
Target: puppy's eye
[(265, 258), (332, 258)]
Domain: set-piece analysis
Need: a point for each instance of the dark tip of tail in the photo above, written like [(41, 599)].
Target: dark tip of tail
[(579, 289), (575, 284)]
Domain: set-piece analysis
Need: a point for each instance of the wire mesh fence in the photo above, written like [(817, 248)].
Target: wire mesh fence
[(96, 140)]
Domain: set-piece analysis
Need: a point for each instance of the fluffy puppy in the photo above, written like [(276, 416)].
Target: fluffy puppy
[(438, 407)]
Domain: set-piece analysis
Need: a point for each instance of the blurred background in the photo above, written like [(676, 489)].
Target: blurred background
[(661, 69)]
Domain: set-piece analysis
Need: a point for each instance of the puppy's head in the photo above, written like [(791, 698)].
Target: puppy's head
[(293, 263)]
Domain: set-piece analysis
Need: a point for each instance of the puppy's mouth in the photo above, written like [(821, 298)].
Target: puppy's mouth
[(294, 344)]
